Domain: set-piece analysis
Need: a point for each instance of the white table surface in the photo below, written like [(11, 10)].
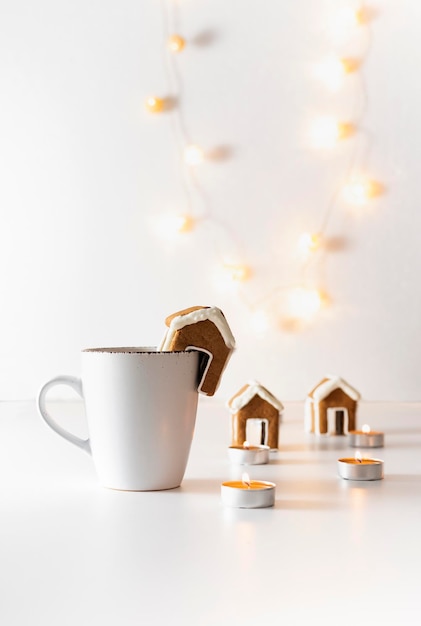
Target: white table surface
[(329, 552)]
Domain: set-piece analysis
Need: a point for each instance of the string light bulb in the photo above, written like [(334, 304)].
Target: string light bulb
[(186, 223), (238, 273), (193, 155), (154, 104), (309, 243), (176, 43), (303, 303), (351, 16), (229, 274), (259, 322), (326, 131), (171, 226), (359, 191), (345, 20), (332, 71)]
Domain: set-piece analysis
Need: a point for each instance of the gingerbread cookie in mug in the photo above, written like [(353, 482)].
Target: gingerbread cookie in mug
[(204, 329)]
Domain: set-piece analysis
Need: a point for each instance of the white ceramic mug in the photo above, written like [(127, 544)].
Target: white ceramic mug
[(141, 410)]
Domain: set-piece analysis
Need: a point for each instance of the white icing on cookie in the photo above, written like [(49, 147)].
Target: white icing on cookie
[(213, 314), (308, 415), (316, 409), (334, 382), (253, 388)]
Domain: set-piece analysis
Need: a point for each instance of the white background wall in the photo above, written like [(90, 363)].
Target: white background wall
[(84, 170)]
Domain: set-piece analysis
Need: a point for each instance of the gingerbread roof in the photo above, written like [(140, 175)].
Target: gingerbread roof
[(328, 384), (199, 314), (247, 393)]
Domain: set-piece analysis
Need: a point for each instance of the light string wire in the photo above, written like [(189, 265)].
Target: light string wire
[(193, 190), (357, 118), (175, 82), (358, 158), (360, 140)]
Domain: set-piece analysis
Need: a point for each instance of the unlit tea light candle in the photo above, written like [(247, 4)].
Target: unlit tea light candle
[(248, 494), (358, 468), (366, 438), (248, 455)]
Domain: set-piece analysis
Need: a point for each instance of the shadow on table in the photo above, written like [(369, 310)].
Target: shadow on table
[(306, 489), (403, 431), (316, 443), (297, 447), (199, 485), (404, 478), (306, 505), (403, 444), (315, 461)]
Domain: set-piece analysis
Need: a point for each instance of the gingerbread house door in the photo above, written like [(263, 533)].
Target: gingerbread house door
[(337, 421), (257, 431)]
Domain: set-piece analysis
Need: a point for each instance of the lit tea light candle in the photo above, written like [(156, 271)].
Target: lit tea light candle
[(248, 455), (366, 438), (358, 468), (248, 494)]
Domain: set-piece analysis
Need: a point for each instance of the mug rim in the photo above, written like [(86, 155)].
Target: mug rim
[(135, 350)]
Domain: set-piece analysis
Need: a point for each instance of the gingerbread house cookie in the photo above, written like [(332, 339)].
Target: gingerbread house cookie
[(331, 407), (253, 401), (204, 329)]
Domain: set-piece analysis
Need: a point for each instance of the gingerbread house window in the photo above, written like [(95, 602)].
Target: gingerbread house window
[(254, 407), (331, 407)]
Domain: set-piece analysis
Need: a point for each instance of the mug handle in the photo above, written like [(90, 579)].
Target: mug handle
[(74, 383)]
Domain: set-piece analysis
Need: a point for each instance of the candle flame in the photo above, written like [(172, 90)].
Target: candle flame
[(246, 445), (246, 479), (366, 428), (358, 457)]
